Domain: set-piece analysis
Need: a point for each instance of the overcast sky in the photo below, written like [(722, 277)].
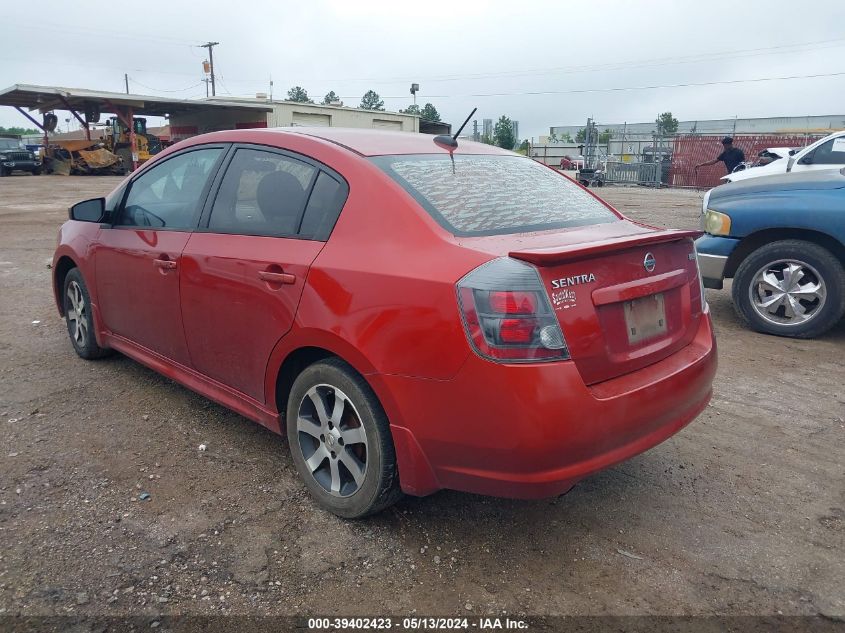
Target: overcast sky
[(457, 51)]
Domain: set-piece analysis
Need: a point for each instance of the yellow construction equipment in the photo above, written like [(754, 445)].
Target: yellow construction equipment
[(116, 141)]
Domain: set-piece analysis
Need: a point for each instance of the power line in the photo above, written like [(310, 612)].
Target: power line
[(619, 89), (658, 61), (199, 83)]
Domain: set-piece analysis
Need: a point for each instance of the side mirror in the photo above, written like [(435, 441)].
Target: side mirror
[(790, 163), (88, 210)]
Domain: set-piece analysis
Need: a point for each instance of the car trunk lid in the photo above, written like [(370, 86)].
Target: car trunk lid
[(623, 301)]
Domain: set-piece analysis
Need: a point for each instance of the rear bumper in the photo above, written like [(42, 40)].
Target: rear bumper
[(532, 431)]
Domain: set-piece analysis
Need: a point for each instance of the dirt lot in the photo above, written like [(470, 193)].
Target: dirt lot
[(743, 512)]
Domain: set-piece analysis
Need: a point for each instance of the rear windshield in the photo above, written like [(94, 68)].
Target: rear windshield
[(490, 195)]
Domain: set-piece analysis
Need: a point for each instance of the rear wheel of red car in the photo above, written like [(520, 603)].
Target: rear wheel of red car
[(340, 441), (78, 317), (790, 288)]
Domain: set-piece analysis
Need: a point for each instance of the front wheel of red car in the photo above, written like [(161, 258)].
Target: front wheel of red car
[(79, 319), (340, 441)]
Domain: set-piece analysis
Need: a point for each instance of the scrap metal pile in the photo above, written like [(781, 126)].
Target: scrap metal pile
[(82, 158)]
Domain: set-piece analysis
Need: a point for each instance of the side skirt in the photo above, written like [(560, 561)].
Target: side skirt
[(195, 381)]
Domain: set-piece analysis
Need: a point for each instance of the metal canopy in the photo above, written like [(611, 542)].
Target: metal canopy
[(47, 98)]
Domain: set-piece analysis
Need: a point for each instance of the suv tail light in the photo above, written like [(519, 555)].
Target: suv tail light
[(507, 315)]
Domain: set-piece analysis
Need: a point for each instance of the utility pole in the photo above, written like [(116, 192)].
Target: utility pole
[(126, 80), (210, 46)]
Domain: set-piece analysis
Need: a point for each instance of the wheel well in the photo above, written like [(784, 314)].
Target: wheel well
[(63, 267), (754, 241), (291, 368)]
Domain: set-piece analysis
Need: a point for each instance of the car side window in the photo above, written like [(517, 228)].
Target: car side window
[(168, 194), (324, 206), (262, 193), (830, 153)]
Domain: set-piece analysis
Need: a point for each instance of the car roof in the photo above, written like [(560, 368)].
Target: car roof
[(369, 142)]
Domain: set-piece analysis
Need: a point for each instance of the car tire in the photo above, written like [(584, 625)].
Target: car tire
[(4, 171), (813, 277), (340, 441), (36, 172), (78, 317)]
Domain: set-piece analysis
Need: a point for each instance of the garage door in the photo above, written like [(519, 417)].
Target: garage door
[(388, 125), (312, 119)]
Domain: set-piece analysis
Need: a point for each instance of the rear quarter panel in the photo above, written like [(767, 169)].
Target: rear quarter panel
[(385, 283)]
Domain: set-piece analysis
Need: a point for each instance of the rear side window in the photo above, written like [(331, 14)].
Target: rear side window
[(262, 193), (490, 195), (324, 205)]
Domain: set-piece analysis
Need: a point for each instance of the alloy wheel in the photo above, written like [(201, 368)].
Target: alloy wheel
[(77, 314), (787, 292), (332, 440)]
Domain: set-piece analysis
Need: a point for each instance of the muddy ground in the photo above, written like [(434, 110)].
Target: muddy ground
[(743, 512)]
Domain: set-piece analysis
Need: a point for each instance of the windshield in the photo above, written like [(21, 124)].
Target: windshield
[(9, 143), (490, 195)]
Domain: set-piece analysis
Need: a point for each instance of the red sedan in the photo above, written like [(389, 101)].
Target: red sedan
[(414, 316)]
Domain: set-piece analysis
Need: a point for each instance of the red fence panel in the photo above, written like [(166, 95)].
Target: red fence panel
[(692, 149)]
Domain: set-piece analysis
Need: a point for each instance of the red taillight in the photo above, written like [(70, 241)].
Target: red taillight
[(507, 315), (510, 302), (517, 331)]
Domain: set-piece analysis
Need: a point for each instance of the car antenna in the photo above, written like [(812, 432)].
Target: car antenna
[(450, 143)]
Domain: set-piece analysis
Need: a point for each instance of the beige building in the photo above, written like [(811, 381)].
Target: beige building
[(255, 113), (189, 117)]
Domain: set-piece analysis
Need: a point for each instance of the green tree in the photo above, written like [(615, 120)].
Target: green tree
[(412, 109), (667, 125), (485, 138), (430, 113), (503, 133), (299, 94), (371, 101), (523, 147), (604, 137), (18, 131), (330, 97), (581, 135)]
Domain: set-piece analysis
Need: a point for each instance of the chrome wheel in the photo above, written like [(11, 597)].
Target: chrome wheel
[(332, 440), (787, 292), (77, 314)]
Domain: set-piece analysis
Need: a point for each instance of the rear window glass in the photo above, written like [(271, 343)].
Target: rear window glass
[(489, 195)]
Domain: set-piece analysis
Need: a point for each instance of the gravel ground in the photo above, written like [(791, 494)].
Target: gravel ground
[(740, 513)]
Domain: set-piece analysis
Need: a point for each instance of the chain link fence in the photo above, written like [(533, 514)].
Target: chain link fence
[(667, 161)]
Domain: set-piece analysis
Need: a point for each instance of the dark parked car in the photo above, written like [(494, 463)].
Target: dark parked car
[(14, 156), (782, 240)]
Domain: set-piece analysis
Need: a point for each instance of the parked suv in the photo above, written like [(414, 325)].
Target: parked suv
[(15, 157)]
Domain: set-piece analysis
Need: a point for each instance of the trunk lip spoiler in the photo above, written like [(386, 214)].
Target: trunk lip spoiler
[(568, 252)]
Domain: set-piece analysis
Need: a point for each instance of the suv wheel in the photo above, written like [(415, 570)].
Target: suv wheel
[(80, 321), (340, 441), (790, 288)]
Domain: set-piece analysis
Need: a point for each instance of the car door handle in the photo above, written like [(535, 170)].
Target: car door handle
[(277, 278), (164, 264)]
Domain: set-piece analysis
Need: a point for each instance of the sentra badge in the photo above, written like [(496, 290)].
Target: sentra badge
[(565, 282)]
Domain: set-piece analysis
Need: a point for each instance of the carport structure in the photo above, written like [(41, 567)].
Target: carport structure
[(86, 105)]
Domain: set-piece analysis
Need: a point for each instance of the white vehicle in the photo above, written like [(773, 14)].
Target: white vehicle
[(826, 153)]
